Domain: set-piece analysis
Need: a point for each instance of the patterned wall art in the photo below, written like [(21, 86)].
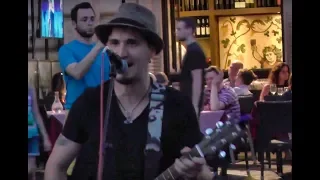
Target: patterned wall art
[(254, 40)]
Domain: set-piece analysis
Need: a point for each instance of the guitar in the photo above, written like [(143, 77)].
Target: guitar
[(213, 142)]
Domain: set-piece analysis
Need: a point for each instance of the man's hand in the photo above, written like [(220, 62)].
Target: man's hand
[(99, 45), (47, 145), (189, 168)]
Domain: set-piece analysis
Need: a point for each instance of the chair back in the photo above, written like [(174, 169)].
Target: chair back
[(274, 98), (246, 104), (255, 94), (275, 118)]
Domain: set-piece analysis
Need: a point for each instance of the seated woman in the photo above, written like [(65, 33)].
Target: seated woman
[(243, 80), (57, 84), (162, 78), (288, 95), (279, 76), (220, 97)]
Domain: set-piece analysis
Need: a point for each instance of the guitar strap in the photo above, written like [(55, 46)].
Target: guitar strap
[(153, 152)]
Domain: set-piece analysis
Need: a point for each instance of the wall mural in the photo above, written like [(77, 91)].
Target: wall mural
[(254, 40)]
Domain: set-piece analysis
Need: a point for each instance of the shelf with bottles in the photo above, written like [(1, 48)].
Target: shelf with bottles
[(193, 5), (202, 27), (245, 11), (245, 4)]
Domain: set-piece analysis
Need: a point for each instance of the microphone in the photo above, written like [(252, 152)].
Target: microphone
[(120, 64)]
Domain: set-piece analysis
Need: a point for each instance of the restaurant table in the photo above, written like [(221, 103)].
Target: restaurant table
[(208, 119), (56, 121)]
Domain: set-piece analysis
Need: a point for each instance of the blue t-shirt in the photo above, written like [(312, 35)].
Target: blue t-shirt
[(73, 52)]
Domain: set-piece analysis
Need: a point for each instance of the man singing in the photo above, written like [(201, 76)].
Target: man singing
[(131, 34), (80, 59), (193, 65)]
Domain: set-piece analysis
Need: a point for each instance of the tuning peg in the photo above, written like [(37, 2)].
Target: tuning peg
[(242, 140), (219, 124), (209, 131), (222, 154), (228, 123), (232, 146)]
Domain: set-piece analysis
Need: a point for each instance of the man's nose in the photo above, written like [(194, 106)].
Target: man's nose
[(122, 51)]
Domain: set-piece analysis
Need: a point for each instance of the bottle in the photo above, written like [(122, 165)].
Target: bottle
[(231, 4), (236, 4), (56, 106), (200, 5), (207, 27), (247, 3), (242, 3), (278, 2), (198, 30), (203, 27), (205, 4), (216, 2), (195, 5), (227, 5), (221, 4)]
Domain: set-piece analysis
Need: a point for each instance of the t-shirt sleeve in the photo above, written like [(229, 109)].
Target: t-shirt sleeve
[(65, 57), (75, 128), (191, 134), (196, 60), (228, 97)]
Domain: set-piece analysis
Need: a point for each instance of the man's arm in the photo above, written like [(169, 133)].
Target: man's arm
[(69, 142), (63, 153), (197, 76), (78, 69), (221, 102), (197, 64)]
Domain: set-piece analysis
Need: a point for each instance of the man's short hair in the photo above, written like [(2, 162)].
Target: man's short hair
[(247, 76), (189, 22), (74, 10)]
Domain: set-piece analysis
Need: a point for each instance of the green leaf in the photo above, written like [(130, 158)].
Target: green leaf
[(266, 34), (275, 32), (241, 48), (229, 62), (233, 19), (269, 19), (278, 20), (240, 23), (257, 21), (225, 42), (279, 39), (233, 33)]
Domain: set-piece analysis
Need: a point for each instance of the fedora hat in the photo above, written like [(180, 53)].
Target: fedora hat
[(135, 16)]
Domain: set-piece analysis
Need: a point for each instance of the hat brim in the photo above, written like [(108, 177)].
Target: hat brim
[(103, 31)]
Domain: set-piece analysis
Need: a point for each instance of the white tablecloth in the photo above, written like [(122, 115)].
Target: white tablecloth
[(208, 119)]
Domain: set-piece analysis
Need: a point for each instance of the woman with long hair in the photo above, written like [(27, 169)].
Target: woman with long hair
[(35, 122), (279, 76)]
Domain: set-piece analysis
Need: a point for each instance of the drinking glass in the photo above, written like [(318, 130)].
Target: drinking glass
[(286, 89), (280, 91), (273, 89)]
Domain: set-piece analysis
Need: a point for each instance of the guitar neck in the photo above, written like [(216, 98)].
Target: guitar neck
[(169, 174)]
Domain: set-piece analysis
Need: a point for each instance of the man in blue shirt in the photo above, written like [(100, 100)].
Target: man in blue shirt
[(80, 59)]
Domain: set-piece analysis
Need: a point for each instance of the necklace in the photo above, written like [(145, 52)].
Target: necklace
[(128, 114)]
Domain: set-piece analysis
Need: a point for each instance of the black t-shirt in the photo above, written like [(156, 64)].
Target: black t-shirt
[(124, 159), (193, 59)]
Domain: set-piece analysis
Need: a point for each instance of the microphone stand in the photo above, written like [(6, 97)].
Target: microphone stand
[(112, 75)]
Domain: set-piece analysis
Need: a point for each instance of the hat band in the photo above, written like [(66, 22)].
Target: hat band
[(128, 21)]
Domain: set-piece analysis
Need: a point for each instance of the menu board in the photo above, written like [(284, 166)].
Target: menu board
[(287, 30)]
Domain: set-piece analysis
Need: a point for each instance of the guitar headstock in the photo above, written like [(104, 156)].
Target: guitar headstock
[(218, 138)]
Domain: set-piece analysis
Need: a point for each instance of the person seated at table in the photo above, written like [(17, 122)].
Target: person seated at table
[(219, 96), (279, 76), (35, 122), (243, 80), (288, 95), (162, 78), (57, 84)]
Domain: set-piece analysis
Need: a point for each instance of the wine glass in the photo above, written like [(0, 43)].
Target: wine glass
[(286, 89), (280, 91), (273, 89)]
